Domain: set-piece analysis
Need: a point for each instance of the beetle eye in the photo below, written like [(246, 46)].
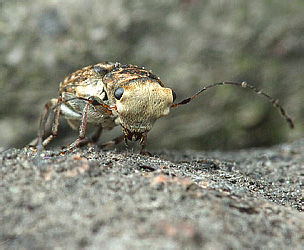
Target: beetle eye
[(174, 95), (118, 93)]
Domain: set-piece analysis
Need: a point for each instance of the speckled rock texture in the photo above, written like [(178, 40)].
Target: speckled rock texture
[(173, 200)]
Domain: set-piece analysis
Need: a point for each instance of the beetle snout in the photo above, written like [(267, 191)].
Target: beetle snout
[(133, 136)]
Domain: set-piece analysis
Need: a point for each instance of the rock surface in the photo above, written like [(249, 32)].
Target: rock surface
[(121, 200)]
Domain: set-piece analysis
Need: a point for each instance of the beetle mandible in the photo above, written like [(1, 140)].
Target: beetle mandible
[(112, 94)]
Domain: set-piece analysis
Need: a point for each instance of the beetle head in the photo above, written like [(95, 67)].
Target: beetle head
[(140, 104)]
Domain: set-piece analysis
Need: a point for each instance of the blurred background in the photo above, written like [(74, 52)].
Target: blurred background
[(188, 44)]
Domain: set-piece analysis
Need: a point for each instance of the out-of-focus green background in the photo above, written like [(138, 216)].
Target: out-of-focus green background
[(188, 44)]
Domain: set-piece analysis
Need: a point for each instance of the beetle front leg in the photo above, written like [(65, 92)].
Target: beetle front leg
[(142, 144)]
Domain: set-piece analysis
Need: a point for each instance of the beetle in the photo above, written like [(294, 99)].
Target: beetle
[(113, 94)]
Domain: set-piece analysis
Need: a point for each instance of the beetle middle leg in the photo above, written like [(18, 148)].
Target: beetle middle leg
[(82, 128), (94, 139), (96, 135), (115, 141)]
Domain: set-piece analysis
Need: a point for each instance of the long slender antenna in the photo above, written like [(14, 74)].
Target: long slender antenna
[(274, 102)]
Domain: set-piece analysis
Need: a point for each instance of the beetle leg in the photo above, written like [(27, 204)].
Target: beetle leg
[(96, 135), (142, 144), (115, 141), (93, 139), (126, 140), (55, 124), (48, 107), (82, 128)]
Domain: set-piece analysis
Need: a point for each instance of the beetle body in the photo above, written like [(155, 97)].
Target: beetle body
[(113, 94), (124, 95)]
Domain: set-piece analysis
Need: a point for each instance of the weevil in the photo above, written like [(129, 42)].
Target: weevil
[(113, 94)]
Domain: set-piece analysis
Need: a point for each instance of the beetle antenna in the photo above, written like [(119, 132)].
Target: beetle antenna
[(274, 102)]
